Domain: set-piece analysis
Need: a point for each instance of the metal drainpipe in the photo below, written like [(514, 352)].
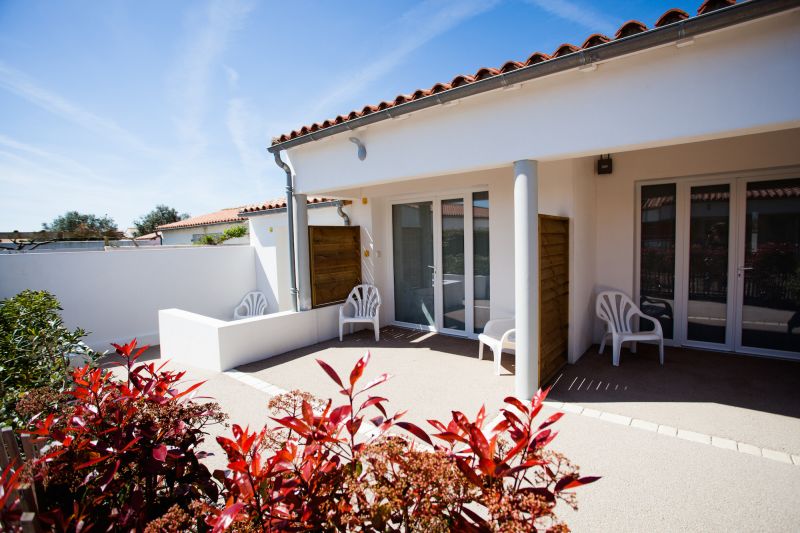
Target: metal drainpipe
[(290, 214), (341, 213)]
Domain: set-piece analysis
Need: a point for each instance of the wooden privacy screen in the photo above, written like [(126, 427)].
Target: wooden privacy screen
[(554, 295), (335, 256)]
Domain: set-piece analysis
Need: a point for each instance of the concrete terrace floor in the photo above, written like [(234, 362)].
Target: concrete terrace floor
[(650, 481)]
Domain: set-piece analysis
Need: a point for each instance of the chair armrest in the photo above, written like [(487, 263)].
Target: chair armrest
[(506, 335), (656, 324), (498, 326)]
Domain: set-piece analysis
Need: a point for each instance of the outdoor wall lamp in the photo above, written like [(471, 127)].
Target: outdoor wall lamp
[(604, 165), (362, 150)]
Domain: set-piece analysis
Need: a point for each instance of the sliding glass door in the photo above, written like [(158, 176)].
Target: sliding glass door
[(441, 263), (719, 262)]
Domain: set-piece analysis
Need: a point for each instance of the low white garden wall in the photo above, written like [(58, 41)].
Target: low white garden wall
[(116, 295), (205, 342)]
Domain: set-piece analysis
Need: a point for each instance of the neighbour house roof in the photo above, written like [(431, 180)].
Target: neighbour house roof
[(222, 216), (755, 193), (440, 92), (280, 203), (147, 236)]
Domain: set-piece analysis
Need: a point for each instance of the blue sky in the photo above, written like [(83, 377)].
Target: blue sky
[(113, 107)]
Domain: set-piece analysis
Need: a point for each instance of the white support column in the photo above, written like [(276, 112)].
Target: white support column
[(526, 277), (303, 269)]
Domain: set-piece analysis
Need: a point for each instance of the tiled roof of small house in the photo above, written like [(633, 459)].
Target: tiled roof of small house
[(280, 203), (222, 216), (629, 28)]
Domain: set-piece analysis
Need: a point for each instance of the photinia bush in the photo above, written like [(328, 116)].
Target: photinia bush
[(123, 453), (335, 469)]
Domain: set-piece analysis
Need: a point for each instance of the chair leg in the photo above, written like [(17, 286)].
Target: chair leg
[(603, 344), (617, 344), (340, 331), (633, 347), (377, 331), (480, 350), (498, 356), (661, 350)]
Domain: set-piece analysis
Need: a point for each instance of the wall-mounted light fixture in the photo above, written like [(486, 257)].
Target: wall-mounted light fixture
[(362, 150), (604, 164)]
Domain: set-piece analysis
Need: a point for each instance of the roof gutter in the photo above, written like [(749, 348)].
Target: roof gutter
[(290, 214), (671, 33)]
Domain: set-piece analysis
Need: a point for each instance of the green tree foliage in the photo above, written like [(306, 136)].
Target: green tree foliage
[(159, 216), (75, 222), (231, 233), (35, 349)]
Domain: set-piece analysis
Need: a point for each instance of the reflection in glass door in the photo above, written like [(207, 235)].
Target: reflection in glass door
[(453, 286), (709, 226), (769, 271), (414, 267)]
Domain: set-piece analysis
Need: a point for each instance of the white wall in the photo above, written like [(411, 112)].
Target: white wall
[(184, 235), (116, 295), (206, 342), (738, 80)]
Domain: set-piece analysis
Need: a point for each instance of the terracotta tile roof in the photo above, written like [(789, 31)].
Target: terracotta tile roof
[(631, 27), (280, 203), (147, 236), (222, 216), (764, 192)]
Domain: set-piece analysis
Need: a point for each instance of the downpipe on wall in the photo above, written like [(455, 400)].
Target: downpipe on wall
[(290, 213)]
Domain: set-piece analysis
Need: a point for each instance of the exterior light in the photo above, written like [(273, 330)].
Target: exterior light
[(604, 164)]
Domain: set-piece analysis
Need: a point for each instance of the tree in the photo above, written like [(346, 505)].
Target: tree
[(75, 222), (160, 215)]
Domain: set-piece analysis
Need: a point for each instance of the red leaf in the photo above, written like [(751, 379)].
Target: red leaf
[(160, 453), (516, 403), (190, 389), (552, 420), (375, 382), (468, 471), (415, 430), (109, 475), (358, 369), (376, 401), (578, 482), (438, 425), (479, 443), (330, 371), (226, 518), (92, 462)]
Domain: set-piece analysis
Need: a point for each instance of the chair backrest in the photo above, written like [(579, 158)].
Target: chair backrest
[(365, 299), (617, 309), (253, 304)]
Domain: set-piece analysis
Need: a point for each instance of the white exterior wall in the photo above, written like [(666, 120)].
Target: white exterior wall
[(270, 238), (738, 80), (116, 295), (616, 194), (184, 235)]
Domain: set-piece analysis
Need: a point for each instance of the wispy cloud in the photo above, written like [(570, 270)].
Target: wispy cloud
[(23, 86), (581, 15), (417, 26), (209, 32), (56, 161), (249, 139)]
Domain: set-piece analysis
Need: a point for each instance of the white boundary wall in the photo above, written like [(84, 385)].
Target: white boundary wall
[(205, 342), (116, 295)]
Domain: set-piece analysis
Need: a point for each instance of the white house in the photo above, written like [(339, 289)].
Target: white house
[(699, 218), (191, 230)]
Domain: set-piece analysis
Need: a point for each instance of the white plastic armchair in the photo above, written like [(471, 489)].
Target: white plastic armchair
[(498, 335), (366, 302), (618, 312), (253, 304)]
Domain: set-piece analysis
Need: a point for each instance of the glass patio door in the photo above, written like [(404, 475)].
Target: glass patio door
[(768, 273), (436, 244)]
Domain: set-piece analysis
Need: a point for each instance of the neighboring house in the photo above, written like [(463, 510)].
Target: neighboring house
[(699, 217), (191, 230)]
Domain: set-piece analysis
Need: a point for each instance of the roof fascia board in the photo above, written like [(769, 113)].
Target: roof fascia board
[(652, 38)]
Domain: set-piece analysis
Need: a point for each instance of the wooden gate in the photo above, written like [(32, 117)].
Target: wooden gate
[(554, 295), (335, 262)]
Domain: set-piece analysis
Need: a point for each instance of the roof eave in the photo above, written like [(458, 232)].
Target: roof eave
[(665, 35)]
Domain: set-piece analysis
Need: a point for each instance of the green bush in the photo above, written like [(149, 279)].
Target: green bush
[(35, 349), (218, 238)]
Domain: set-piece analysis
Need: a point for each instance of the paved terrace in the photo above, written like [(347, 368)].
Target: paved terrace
[(617, 424)]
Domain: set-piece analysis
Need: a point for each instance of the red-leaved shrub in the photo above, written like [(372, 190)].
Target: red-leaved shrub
[(123, 453), (334, 469)]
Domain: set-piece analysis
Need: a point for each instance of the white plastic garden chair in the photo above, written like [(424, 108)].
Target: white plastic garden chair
[(498, 335), (253, 304), (366, 302), (618, 312)]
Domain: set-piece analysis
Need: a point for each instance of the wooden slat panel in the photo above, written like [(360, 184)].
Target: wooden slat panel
[(335, 262), (553, 295)]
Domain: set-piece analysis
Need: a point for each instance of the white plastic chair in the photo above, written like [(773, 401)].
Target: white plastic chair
[(253, 304), (366, 302), (498, 335), (618, 311)]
